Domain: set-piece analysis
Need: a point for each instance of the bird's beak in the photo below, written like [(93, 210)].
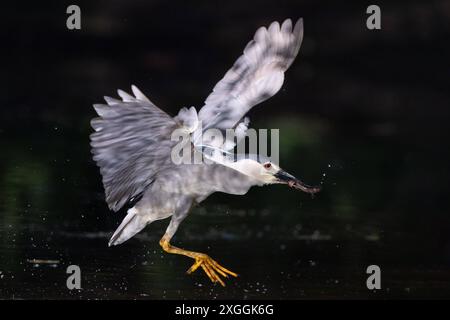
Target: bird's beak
[(293, 182)]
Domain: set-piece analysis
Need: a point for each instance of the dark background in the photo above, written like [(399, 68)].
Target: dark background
[(364, 112)]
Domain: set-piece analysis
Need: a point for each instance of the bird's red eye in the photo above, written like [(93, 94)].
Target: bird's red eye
[(267, 165)]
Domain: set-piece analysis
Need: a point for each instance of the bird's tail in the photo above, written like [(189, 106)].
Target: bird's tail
[(132, 224)]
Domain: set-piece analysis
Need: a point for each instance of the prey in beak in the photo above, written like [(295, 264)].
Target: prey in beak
[(293, 182)]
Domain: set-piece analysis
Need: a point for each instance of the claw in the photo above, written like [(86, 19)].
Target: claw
[(211, 268)]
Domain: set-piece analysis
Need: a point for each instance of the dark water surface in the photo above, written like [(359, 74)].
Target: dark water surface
[(365, 114)]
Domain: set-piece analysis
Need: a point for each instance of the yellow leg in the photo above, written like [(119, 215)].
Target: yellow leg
[(210, 266)]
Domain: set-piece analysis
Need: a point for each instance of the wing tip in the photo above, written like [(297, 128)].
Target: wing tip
[(126, 97), (138, 94), (274, 27), (298, 34), (111, 101)]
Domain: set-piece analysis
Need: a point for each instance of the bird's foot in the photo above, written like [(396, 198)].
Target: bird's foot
[(212, 269)]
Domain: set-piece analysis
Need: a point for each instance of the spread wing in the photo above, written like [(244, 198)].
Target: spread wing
[(131, 143), (255, 77)]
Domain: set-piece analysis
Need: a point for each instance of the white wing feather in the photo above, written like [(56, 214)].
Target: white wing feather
[(256, 76)]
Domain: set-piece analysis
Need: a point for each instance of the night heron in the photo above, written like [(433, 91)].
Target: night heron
[(132, 145)]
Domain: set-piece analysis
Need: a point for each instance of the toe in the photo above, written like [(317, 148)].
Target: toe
[(208, 273), (223, 269), (213, 273)]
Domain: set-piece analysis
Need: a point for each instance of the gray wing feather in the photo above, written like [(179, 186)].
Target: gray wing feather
[(130, 145), (256, 76), (201, 180)]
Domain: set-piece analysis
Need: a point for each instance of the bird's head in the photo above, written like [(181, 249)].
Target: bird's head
[(268, 172)]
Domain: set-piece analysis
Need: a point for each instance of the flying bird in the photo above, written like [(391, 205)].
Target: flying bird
[(132, 145)]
